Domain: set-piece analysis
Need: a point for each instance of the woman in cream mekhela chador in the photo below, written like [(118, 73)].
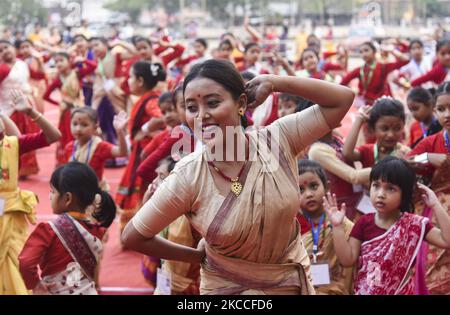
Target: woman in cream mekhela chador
[(252, 243)]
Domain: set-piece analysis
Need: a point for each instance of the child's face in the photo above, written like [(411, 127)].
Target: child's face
[(181, 107), (388, 131), (286, 108), (443, 111), (162, 171), (416, 51), (310, 61), (135, 84), (81, 44), (253, 54), (225, 51), (199, 49), (420, 111), (99, 49), (7, 52), (367, 54), (82, 127), (25, 49), (170, 114), (312, 191), (144, 50), (62, 63), (444, 56), (385, 197), (56, 201)]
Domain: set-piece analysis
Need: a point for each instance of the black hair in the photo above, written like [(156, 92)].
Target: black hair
[(386, 106), (443, 89), (164, 97), (397, 172), (303, 104), (442, 43), (101, 39), (247, 75), (307, 50), (415, 41), (19, 43), (224, 73), (139, 39), (62, 54), (420, 95), (286, 97), (202, 42), (371, 45), (80, 180), (89, 111), (151, 73), (225, 42), (305, 166), (79, 36), (249, 46)]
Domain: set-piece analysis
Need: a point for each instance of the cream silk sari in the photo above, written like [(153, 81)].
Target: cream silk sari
[(253, 242)]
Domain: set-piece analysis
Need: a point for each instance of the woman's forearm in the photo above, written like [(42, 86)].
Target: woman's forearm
[(443, 220), (164, 249), (334, 100)]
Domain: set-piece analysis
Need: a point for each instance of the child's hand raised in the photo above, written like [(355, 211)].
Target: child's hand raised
[(20, 102), (330, 205), (428, 196), (364, 112), (120, 121)]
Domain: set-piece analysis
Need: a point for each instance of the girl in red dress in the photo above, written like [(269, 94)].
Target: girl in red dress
[(68, 249), (373, 75), (384, 245), (89, 148), (68, 81), (421, 104), (436, 171), (145, 121), (387, 121)]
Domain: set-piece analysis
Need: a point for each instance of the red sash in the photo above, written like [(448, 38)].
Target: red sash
[(385, 262)]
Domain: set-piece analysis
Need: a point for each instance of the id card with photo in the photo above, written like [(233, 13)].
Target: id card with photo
[(320, 274), (163, 282)]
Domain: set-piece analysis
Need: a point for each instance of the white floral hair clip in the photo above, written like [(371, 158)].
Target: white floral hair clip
[(154, 69)]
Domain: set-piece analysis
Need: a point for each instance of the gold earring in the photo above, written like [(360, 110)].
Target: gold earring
[(241, 112)]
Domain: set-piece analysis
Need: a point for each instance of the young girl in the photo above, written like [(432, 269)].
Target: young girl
[(385, 244), (439, 73), (68, 81), (373, 75), (89, 148), (387, 122), (17, 207), (309, 61), (252, 62), (185, 277), (417, 67), (35, 63), (316, 228), (146, 119), (67, 249), (421, 104), (437, 169)]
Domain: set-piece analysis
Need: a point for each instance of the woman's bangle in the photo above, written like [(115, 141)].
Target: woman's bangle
[(37, 118)]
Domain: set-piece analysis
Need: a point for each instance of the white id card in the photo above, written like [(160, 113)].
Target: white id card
[(365, 205), (320, 274), (163, 282), (108, 85), (2, 206)]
